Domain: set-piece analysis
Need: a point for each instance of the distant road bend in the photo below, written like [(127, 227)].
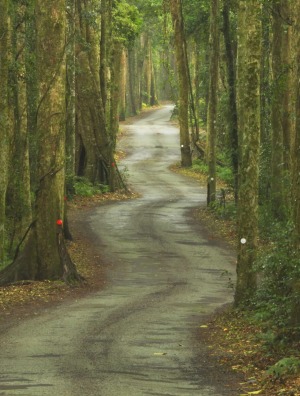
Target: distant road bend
[(136, 337)]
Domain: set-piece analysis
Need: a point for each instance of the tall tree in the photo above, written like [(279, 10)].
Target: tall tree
[(212, 101), (4, 122), (248, 94), (231, 81), (296, 145), (295, 315), (18, 192), (70, 89), (278, 80), (93, 145), (183, 81), (44, 255), (31, 89)]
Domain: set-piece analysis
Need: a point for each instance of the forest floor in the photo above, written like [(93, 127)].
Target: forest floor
[(232, 340)]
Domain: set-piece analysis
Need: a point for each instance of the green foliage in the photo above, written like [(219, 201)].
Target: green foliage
[(284, 367), (127, 22), (196, 16), (224, 173), (224, 210), (199, 166), (279, 273), (81, 186), (90, 17)]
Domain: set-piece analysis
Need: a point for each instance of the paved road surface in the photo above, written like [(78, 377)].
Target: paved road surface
[(137, 337)]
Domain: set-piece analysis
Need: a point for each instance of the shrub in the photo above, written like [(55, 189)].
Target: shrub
[(279, 273), (284, 367), (83, 187)]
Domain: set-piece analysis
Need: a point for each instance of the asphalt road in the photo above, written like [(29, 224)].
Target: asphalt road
[(136, 337)]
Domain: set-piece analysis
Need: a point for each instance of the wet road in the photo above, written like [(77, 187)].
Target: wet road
[(137, 336)]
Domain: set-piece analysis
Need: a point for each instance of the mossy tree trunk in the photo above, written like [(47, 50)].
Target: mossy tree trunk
[(295, 315), (296, 145), (147, 69), (31, 90), (248, 94), (70, 89), (134, 94), (123, 87), (212, 101), (231, 80), (44, 255), (4, 121), (18, 192), (183, 81), (279, 74), (94, 146)]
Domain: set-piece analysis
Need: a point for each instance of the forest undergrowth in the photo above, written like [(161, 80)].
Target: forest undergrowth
[(246, 340)]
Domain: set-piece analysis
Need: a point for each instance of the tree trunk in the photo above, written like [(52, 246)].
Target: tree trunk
[(295, 315), (70, 90), (18, 193), (4, 122), (133, 96), (212, 101), (115, 98), (94, 149), (183, 82), (232, 119), (248, 94), (104, 53), (153, 90), (287, 111), (44, 255), (146, 72), (31, 90), (122, 106), (278, 77), (296, 146)]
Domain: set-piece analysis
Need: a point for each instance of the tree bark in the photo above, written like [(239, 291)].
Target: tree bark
[(44, 255), (133, 81), (212, 101), (94, 146), (248, 94), (122, 107), (278, 77), (231, 80), (183, 82), (4, 122), (296, 145), (18, 193), (31, 90), (70, 90), (295, 315)]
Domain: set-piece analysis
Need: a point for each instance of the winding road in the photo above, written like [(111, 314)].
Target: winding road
[(137, 337)]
